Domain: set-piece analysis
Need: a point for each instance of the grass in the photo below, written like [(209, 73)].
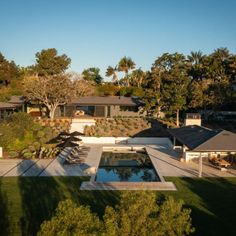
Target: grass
[(26, 201)]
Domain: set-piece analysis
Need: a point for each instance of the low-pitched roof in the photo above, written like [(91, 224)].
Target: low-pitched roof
[(110, 100), (198, 138), (17, 99), (7, 105)]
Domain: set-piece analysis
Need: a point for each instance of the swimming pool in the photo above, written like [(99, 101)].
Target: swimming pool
[(126, 167)]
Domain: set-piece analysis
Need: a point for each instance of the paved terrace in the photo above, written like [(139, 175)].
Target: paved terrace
[(165, 161)]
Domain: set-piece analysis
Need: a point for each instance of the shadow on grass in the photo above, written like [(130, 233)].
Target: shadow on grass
[(4, 222), (213, 203), (40, 197)]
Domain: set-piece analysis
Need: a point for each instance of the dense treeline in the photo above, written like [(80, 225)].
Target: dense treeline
[(174, 82)]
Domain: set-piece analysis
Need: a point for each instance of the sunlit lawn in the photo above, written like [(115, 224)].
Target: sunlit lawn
[(26, 201)]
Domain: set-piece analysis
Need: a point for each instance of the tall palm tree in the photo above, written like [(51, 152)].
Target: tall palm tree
[(112, 72), (126, 64), (221, 53), (196, 65), (137, 77), (195, 57)]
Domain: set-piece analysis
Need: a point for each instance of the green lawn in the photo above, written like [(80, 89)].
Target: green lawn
[(26, 201)]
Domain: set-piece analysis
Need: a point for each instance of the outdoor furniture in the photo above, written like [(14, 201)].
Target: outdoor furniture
[(219, 162), (223, 163), (73, 160), (82, 148)]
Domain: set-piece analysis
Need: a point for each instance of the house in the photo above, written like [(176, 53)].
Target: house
[(196, 141), (111, 106), (15, 104)]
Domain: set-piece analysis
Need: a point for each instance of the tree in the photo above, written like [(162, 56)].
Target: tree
[(92, 75), (8, 70), (48, 62), (71, 219), (174, 82), (50, 91), (126, 64), (81, 87), (137, 77), (196, 65), (137, 214), (112, 72)]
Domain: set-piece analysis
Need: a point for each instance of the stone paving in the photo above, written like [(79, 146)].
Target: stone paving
[(167, 163)]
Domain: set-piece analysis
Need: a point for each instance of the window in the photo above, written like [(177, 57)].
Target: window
[(129, 108)]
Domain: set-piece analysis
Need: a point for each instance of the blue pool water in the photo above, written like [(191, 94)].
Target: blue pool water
[(128, 167)]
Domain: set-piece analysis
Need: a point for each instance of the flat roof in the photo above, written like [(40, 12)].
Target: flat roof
[(7, 105), (198, 138), (109, 100)]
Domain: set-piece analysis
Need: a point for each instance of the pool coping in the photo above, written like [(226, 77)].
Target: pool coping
[(161, 185)]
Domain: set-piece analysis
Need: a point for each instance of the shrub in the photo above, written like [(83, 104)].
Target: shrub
[(27, 155), (13, 154)]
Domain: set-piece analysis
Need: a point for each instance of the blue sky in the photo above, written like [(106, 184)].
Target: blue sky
[(99, 32)]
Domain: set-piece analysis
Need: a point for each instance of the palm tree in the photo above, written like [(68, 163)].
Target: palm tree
[(196, 65), (112, 72), (221, 53), (137, 77), (195, 57), (126, 64)]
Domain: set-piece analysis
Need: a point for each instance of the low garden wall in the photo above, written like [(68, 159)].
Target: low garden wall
[(127, 140)]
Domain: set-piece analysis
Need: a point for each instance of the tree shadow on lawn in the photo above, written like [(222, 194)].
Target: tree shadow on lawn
[(97, 200), (41, 195), (4, 221), (213, 203)]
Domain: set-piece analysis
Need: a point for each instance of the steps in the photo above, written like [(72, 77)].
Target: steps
[(79, 124)]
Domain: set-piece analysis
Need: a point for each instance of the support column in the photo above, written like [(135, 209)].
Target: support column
[(174, 142), (64, 110), (200, 166)]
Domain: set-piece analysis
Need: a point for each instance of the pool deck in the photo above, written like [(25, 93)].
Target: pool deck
[(165, 161)]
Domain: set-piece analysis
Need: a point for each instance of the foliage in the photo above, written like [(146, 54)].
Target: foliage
[(71, 219), (48, 62), (137, 214), (131, 127), (81, 86), (112, 72), (8, 70), (108, 89), (50, 91), (92, 75), (22, 135), (125, 65)]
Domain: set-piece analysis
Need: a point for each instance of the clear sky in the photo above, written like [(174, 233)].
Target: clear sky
[(99, 32)]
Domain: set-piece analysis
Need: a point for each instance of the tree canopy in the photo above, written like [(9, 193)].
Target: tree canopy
[(8, 70), (48, 62), (138, 213), (92, 75)]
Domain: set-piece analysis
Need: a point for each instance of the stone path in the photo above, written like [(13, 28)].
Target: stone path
[(8, 165), (21, 168)]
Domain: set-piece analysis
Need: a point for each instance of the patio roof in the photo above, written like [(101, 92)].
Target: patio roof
[(198, 138), (109, 100), (7, 105)]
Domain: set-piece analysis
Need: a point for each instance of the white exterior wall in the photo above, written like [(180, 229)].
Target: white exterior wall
[(188, 155), (193, 122), (127, 140)]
